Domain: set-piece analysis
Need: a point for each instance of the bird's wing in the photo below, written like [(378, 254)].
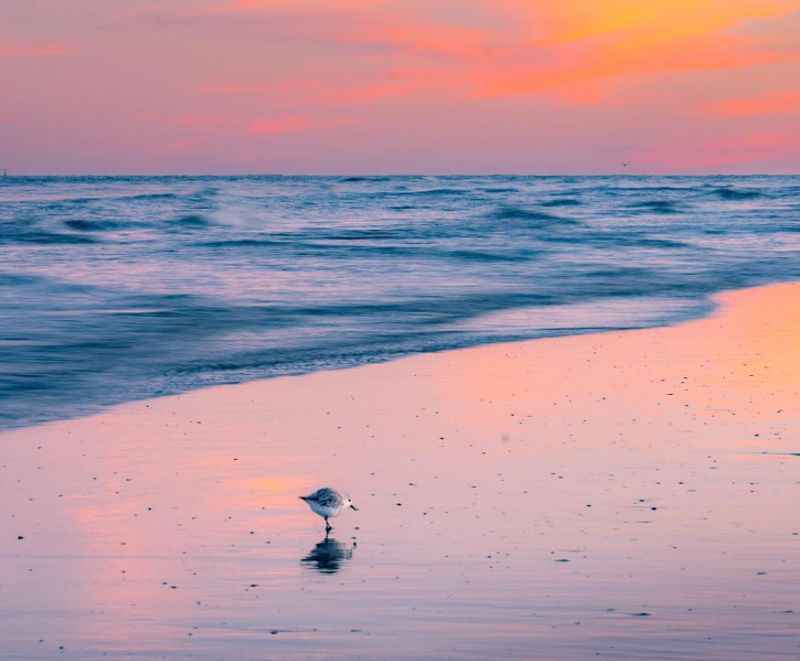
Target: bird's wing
[(327, 497)]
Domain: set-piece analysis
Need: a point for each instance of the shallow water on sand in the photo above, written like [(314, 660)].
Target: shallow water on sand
[(623, 496)]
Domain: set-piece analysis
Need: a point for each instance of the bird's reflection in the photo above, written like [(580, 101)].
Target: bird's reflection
[(327, 556)]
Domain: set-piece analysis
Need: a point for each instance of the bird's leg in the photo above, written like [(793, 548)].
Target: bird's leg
[(328, 526)]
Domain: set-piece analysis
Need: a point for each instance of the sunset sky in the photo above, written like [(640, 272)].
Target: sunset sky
[(399, 86)]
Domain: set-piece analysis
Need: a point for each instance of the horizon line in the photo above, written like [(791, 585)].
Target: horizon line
[(10, 175)]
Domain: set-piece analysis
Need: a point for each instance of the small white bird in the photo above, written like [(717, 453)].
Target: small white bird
[(328, 503)]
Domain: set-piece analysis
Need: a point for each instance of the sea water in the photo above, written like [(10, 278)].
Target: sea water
[(120, 288)]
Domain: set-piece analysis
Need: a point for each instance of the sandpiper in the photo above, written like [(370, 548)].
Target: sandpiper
[(328, 503)]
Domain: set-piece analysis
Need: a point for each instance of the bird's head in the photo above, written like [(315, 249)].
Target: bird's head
[(348, 502)]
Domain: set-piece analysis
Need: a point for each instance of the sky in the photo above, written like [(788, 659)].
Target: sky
[(399, 86)]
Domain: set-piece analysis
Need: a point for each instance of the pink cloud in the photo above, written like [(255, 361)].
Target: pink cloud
[(203, 124), (279, 125), (743, 152), (31, 50), (199, 122), (775, 103)]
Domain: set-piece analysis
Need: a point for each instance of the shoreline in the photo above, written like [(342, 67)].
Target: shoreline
[(703, 308), (625, 494)]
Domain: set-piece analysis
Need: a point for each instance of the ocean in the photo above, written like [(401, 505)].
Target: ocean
[(121, 288)]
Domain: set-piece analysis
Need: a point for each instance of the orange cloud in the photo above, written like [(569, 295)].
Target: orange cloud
[(431, 39), (642, 20), (566, 50), (304, 5), (776, 103), (604, 39)]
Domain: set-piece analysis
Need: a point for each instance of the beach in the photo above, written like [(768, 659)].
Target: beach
[(621, 495)]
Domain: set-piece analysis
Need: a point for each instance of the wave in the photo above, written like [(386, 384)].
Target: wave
[(656, 206), (786, 228), (96, 225), (355, 251), (67, 202), (737, 194), (17, 279), (46, 238), (430, 192), (241, 243), (191, 221), (562, 202), (530, 216), (485, 256), (626, 190), (367, 234), (149, 197), (353, 180)]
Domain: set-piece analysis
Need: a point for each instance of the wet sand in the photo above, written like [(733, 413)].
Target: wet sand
[(625, 496)]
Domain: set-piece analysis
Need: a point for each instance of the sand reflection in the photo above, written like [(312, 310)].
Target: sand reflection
[(328, 556)]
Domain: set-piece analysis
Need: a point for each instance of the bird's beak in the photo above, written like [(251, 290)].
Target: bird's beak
[(353, 507)]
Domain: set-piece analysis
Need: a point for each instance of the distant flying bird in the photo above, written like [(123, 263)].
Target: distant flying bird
[(328, 503), (626, 164)]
